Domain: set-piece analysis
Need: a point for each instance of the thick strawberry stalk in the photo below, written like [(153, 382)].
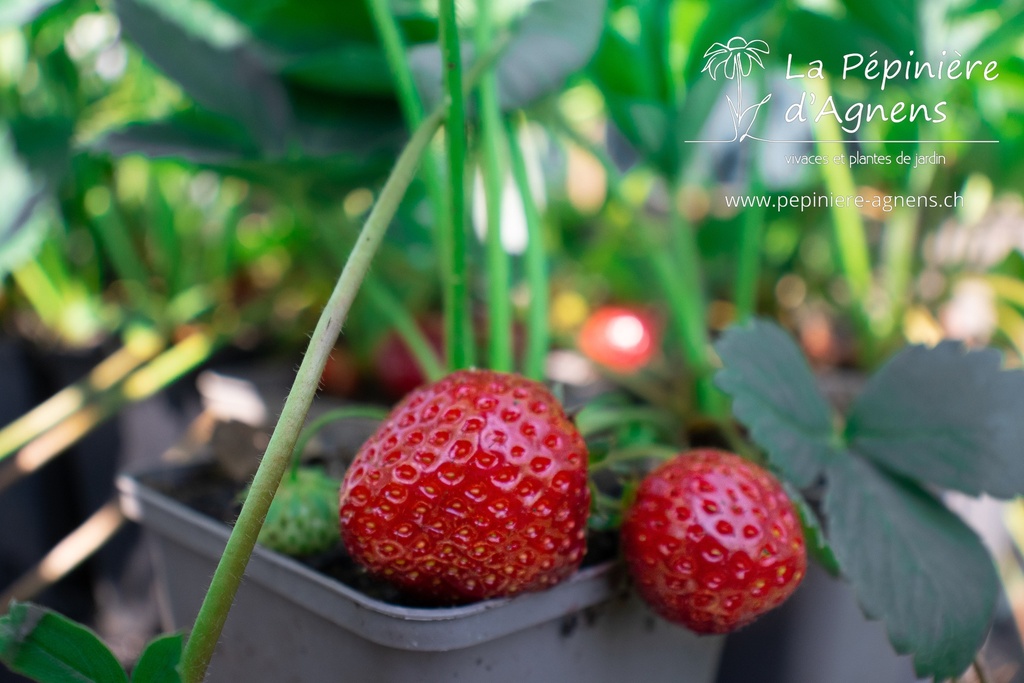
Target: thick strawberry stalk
[(391, 39), (433, 178), (538, 333), (458, 329), (228, 576), (499, 307)]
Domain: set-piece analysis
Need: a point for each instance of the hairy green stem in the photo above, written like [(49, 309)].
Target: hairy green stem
[(680, 306), (458, 325), (678, 274), (748, 262), (228, 575), (412, 109), (394, 51), (613, 177), (538, 332), (898, 250), (499, 306), (850, 235), (648, 451), (330, 417), (687, 303)]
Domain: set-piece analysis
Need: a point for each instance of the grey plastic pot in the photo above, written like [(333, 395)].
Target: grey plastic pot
[(291, 624)]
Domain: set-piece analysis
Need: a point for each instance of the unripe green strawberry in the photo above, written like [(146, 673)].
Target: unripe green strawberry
[(302, 518), (712, 541), (474, 487)]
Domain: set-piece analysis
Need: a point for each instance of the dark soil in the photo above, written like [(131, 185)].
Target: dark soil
[(208, 490)]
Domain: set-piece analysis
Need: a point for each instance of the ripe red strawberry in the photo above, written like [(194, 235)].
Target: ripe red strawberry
[(712, 541), (622, 339), (474, 487)]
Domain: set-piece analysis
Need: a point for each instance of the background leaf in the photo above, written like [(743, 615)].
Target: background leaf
[(158, 662), (774, 394), (311, 24), (895, 21), (228, 78), (50, 648), (554, 40), (913, 564), (33, 157), (194, 136), (812, 36), (352, 67), (947, 416)]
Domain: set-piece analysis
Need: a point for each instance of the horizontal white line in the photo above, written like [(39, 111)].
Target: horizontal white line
[(853, 142)]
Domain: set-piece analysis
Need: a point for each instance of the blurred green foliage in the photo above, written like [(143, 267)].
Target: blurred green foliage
[(163, 164)]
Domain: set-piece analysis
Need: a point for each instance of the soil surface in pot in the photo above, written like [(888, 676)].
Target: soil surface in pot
[(210, 491)]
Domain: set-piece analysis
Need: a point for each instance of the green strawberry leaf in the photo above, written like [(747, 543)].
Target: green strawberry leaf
[(946, 416), (47, 647), (913, 564), (774, 394), (159, 661)]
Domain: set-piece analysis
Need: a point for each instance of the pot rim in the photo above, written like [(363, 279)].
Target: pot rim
[(412, 628)]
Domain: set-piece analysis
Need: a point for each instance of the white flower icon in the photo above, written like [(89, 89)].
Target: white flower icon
[(735, 60)]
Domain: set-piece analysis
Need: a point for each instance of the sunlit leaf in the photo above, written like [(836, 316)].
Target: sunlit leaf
[(158, 663), (50, 648)]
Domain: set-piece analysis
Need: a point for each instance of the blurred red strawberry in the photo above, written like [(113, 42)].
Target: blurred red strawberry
[(395, 366), (620, 338), (341, 373)]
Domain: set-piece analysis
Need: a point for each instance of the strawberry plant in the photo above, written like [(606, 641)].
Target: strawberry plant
[(478, 484), (930, 420)]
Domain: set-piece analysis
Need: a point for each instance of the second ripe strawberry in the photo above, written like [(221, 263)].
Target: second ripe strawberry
[(713, 541)]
